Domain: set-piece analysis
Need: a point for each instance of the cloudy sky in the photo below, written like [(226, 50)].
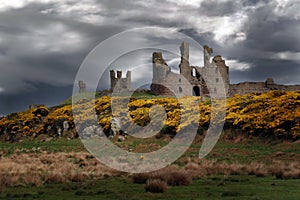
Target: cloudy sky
[(44, 42)]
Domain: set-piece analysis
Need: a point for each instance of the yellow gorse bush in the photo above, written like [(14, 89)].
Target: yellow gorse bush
[(274, 113)]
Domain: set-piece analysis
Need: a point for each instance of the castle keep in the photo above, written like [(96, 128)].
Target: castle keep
[(212, 79)]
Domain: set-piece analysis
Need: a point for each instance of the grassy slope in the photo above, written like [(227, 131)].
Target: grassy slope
[(274, 114), (249, 150), (56, 145)]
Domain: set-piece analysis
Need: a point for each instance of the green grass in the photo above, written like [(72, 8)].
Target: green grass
[(250, 150), (243, 152), (216, 187), (78, 96), (55, 145)]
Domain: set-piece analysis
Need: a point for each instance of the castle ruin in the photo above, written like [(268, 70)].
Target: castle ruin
[(192, 80), (118, 84), (268, 85), (212, 79)]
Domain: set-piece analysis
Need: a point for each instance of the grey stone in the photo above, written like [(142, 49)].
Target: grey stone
[(121, 138), (120, 84), (82, 86), (66, 126), (212, 79), (59, 132)]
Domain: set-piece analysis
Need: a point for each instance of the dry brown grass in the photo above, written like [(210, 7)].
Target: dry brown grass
[(36, 169), (278, 169), (173, 176), (292, 174), (55, 178), (140, 178), (156, 186)]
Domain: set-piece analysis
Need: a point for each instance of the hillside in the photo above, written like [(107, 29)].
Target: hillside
[(272, 114)]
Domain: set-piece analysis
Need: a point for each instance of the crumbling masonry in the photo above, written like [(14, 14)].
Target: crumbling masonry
[(118, 84), (210, 80)]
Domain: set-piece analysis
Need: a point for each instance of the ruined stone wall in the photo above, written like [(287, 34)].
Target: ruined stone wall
[(210, 80), (166, 82), (118, 84), (288, 87), (246, 88), (268, 85), (213, 78)]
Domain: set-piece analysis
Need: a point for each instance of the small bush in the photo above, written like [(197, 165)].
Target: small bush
[(173, 176), (156, 186), (55, 178), (276, 171), (78, 177), (293, 174), (140, 178), (260, 173), (178, 178), (7, 181), (32, 180)]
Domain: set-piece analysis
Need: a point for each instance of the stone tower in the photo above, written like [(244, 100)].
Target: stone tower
[(184, 65), (82, 86), (223, 70), (119, 84)]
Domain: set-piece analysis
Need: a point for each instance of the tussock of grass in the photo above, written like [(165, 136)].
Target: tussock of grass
[(156, 186), (36, 169)]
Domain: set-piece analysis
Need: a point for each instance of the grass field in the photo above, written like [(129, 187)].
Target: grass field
[(252, 159), (55, 145), (215, 187), (244, 152)]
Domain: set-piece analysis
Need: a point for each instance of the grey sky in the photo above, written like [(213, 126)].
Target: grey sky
[(43, 42)]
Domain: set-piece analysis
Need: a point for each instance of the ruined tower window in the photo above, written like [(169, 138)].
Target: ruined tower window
[(215, 90), (217, 80), (216, 70), (180, 80), (194, 72), (180, 89)]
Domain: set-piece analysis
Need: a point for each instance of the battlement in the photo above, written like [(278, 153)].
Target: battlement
[(118, 83)]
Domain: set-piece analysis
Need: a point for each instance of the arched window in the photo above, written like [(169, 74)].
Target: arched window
[(180, 90), (194, 72)]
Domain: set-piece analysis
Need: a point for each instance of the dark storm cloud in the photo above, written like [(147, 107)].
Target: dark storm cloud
[(38, 63), (217, 8), (266, 31), (203, 39), (43, 44), (29, 57), (267, 34), (282, 71)]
